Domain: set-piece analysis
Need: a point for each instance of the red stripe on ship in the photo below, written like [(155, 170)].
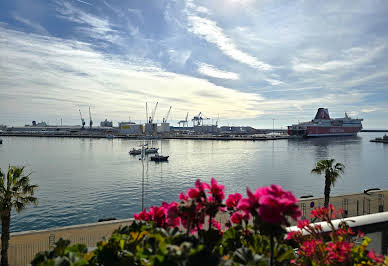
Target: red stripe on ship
[(332, 130)]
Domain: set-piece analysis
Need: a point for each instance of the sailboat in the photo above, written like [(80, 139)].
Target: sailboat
[(159, 158)]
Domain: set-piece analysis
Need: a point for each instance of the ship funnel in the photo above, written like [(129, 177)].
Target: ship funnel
[(322, 113)]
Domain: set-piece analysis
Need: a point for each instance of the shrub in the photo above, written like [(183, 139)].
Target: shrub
[(188, 233)]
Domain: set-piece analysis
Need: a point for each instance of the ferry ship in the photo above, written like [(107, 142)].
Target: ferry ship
[(323, 126)]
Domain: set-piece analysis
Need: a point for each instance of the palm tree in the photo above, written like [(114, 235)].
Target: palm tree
[(332, 173), (15, 192)]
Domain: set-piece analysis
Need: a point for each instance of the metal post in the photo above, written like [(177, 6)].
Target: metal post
[(273, 126)]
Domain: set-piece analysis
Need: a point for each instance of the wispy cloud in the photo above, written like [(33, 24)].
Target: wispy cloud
[(214, 72), (137, 13), (35, 26), (84, 2), (211, 32), (91, 25), (179, 57)]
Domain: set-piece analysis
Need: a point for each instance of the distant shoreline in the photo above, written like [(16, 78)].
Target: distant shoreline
[(185, 137)]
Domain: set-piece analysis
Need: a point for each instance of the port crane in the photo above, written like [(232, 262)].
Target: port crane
[(167, 115), (90, 118), (183, 122), (82, 119), (198, 119), (151, 118)]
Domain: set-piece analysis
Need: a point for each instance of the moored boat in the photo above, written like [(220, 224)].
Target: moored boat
[(146, 151), (159, 158), (322, 126)]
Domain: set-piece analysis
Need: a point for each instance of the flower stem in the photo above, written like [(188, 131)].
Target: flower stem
[(271, 250)]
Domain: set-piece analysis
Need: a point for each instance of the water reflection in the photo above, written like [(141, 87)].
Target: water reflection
[(93, 178)]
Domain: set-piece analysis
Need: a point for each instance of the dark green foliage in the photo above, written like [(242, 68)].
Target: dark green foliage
[(62, 254), (16, 193)]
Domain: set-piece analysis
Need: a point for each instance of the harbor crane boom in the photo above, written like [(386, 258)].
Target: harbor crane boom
[(90, 118), (153, 113), (198, 119), (82, 119), (184, 121), (146, 112), (167, 115)]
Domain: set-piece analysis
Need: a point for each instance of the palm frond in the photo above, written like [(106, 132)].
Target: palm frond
[(18, 192)]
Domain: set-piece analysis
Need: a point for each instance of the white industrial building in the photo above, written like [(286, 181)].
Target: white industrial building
[(130, 128), (164, 128)]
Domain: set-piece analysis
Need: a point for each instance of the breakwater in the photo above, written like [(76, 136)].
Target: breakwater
[(142, 137)]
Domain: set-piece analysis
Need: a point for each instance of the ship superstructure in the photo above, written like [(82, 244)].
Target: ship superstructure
[(322, 125)]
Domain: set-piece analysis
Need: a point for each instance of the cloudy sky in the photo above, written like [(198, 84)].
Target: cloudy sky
[(244, 61)]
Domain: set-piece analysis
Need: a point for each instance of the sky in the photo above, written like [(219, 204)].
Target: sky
[(239, 62)]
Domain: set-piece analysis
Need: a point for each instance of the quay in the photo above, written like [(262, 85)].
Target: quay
[(24, 245), (256, 137)]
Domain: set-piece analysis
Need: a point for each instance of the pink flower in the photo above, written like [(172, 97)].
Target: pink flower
[(173, 218), (143, 216), (193, 193), (201, 186), (216, 224), (217, 191), (376, 258), (324, 213), (345, 232), (250, 204), (237, 218), (275, 204), (293, 235), (309, 247), (158, 215), (233, 200), (182, 196), (339, 251), (303, 223)]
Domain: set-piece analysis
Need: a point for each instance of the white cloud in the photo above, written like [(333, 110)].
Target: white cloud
[(179, 57), (351, 58), (46, 75), (214, 72), (369, 110), (274, 82), (211, 32)]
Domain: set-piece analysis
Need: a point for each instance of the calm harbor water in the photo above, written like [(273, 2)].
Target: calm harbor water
[(83, 180)]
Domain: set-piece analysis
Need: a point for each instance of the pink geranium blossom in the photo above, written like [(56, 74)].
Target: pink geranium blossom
[(275, 204), (233, 200), (143, 216), (217, 191), (173, 218), (250, 204), (237, 218)]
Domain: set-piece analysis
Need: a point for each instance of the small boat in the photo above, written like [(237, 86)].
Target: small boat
[(110, 136), (151, 150), (159, 158), (146, 151), (135, 151)]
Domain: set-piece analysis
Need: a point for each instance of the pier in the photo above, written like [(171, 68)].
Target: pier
[(228, 137)]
